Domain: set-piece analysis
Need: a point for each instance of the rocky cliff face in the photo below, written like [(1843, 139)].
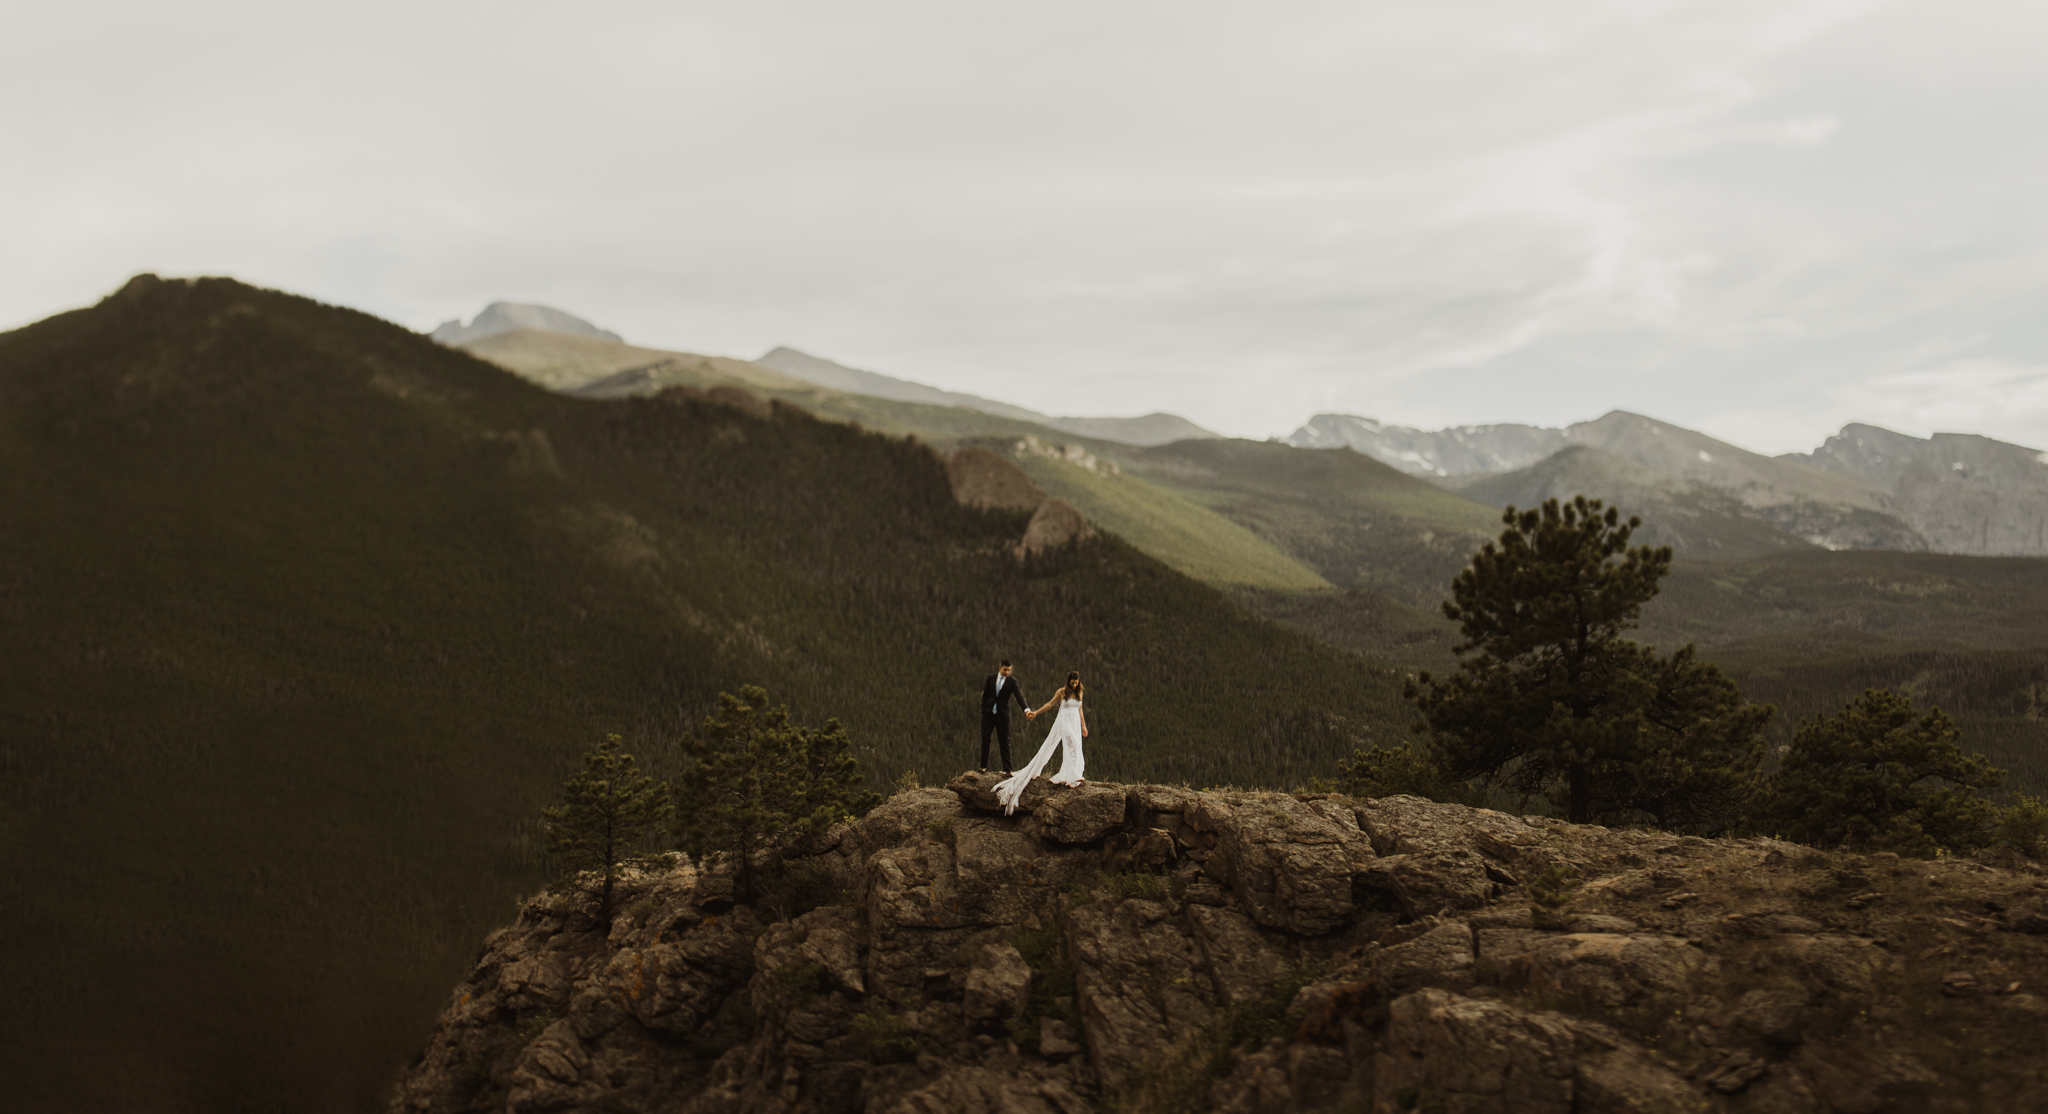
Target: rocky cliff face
[(1967, 494), (1136, 948)]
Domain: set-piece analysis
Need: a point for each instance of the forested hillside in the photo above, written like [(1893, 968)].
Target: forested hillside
[(304, 617)]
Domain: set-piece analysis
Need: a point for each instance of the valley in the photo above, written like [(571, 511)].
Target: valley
[(1807, 578), (306, 616)]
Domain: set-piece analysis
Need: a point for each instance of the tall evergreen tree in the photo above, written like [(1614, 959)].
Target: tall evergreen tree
[(1550, 697), (1881, 775), (606, 814), (760, 781)]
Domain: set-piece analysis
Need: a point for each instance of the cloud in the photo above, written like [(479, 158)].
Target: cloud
[(1958, 396), (1741, 212)]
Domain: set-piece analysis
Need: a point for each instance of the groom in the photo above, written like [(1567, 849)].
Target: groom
[(996, 694)]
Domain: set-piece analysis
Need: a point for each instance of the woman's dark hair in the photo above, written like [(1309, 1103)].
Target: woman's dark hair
[(1073, 689)]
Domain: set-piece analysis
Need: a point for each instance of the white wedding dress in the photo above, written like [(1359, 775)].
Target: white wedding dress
[(1066, 733)]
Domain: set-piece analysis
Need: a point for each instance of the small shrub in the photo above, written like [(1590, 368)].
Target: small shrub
[(800, 980), (1378, 771), (639, 911), (1253, 1024), (881, 1029), (907, 781), (940, 829), (1144, 885), (1053, 989), (798, 888), (2024, 825), (1551, 894)]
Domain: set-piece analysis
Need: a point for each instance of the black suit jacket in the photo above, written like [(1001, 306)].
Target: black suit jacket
[(1002, 707)]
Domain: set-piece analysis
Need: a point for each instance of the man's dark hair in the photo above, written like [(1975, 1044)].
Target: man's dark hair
[(1006, 661)]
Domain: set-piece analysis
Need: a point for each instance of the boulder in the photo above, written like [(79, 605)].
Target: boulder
[(1610, 970), (977, 790), (1474, 1055), (1053, 524), (1242, 961), (1847, 965), (1433, 856), (981, 478), (1863, 1080), (1442, 955), (1079, 814), (1138, 988), (1144, 849), (1289, 866), (536, 982), (1773, 1013), (1628, 1080), (907, 816), (981, 1089), (998, 984)]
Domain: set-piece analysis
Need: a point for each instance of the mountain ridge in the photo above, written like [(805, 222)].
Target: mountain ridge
[(1864, 488), (1157, 428), (528, 339), (1694, 520), (307, 616), (504, 317)]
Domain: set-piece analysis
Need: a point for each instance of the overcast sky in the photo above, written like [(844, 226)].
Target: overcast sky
[(1761, 219)]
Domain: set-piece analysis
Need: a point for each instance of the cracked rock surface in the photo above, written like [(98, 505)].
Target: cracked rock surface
[(1152, 948)]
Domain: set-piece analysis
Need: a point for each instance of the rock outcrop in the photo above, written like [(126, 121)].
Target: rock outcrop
[(981, 478), (1055, 523), (1149, 948)]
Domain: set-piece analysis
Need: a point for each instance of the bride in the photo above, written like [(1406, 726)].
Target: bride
[(1067, 731)]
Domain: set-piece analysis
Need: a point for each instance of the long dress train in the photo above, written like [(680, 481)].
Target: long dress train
[(1065, 735)]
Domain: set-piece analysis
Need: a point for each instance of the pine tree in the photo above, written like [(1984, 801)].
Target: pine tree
[(1550, 698), (607, 812), (1880, 775), (761, 782)]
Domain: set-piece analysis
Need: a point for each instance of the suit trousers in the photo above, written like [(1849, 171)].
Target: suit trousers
[(999, 723)]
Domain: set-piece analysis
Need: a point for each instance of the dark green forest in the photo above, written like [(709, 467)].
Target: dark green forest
[(305, 617)]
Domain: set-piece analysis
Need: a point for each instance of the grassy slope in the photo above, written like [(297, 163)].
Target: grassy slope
[(567, 362), (1359, 523), (1186, 536), (1189, 537), (305, 616)]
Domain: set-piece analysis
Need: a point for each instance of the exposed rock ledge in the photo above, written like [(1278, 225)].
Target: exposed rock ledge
[(1391, 945)]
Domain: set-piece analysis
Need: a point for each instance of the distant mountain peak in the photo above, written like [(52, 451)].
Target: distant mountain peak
[(1464, 450), (1151, 429), (504, 317)]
